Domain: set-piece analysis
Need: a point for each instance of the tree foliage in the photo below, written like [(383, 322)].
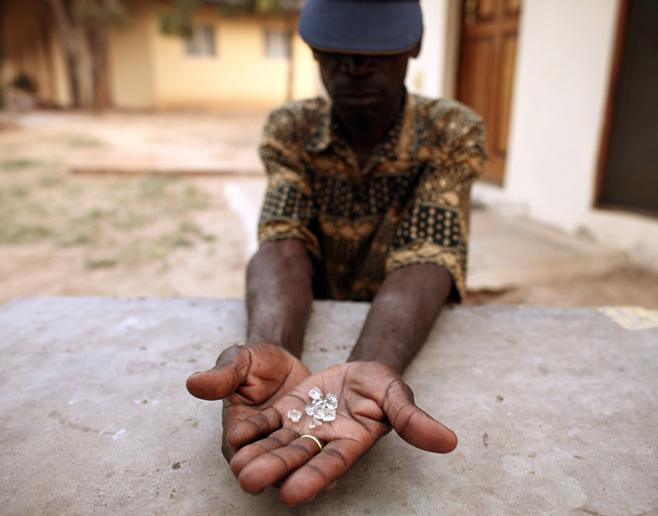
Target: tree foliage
[(177, 21), (99, 12)]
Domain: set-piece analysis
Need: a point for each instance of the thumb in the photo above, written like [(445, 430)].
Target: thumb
[(223, 379), (415, 425)]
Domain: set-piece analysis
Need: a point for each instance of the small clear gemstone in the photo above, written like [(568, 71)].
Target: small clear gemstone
[(332, 401), (309, 410), (314, 423), (315, 393), (318, 410), (329, 415), (294, 415)]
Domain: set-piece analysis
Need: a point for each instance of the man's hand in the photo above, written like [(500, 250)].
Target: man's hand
[(249, 379), (372, 397)]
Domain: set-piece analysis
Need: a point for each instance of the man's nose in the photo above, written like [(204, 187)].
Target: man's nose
[(356, 65)]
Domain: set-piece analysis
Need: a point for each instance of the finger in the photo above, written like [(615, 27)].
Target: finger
[(413, 424), (265, 470), (263, 423), (321, 472), (228, 452), (278, 439), (223, 379)]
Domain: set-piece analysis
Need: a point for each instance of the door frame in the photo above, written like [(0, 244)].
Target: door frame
[(613, 82)]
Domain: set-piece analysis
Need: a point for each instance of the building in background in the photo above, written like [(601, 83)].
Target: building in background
[(229, 61), (568, 91), (566, 87)]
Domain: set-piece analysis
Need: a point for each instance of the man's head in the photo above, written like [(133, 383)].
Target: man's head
[(362, 47)]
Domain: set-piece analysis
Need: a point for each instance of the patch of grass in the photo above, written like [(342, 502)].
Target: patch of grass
[(80, 140), (129, 219), (158, 247), (192, 229), (195, 199), (76, 239), (50, 181), (86, 229), (154, 188), (168, 192), (112, 223), (100, 263), (186, 235), (16, 165), (23, 233), (17, 192)]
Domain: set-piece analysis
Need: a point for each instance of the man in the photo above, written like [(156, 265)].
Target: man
[(367, 200)]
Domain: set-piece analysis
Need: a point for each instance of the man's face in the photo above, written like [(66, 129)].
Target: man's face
[(363, 82)]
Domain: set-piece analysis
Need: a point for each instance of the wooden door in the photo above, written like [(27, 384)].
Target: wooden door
[(486, 71)]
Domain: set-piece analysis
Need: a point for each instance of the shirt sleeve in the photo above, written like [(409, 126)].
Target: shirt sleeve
[(288, 210), (434, 227)]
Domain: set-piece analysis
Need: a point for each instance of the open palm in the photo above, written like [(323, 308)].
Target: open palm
[(249, 379), (372, 398)]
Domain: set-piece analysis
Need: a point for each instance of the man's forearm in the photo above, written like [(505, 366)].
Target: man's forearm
[(279, 294), (402, 315)]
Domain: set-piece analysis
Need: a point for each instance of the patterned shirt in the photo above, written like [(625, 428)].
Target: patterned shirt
[(409, 204)]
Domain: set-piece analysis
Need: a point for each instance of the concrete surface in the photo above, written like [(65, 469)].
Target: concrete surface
[(507, 251), (556, 411)]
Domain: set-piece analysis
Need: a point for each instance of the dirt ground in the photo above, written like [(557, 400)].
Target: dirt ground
[(144, 235), (624, 286), (164, 235)]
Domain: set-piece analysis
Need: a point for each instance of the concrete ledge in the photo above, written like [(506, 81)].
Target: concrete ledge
[(556, 411)]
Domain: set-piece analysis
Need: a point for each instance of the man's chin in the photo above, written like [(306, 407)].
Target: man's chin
[(360, 102)]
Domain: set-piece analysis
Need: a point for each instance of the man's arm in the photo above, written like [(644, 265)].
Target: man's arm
[(279, 294), (372, 397), (252, 377), (402, 315)]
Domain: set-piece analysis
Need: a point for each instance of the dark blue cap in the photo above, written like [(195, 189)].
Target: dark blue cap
[(361, 26)]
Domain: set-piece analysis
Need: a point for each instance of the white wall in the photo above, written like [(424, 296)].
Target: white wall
[(432, 72), (561, 87), (558, 110)]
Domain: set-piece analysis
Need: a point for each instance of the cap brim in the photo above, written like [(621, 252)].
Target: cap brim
[(353, 27)]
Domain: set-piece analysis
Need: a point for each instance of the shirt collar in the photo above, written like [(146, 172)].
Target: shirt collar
[(396, 143), (321, 137)]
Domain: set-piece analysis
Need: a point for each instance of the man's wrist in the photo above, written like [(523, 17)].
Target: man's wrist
[(257, 338), (380, 356)]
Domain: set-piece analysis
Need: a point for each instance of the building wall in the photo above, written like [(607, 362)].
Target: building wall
[(151, 70), (562, 78), (131, 61), (239, 76), (307, 77)]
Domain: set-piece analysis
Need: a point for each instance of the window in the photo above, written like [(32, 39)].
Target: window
[(201, 42), (278, 43)]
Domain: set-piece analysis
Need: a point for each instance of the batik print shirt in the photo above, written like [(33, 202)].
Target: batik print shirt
[(408, 205)]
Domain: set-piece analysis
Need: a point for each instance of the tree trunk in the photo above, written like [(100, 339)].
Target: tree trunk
[(77, 53), (98, 38)]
